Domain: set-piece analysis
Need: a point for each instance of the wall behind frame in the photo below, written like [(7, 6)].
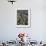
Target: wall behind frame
[(8, 28)]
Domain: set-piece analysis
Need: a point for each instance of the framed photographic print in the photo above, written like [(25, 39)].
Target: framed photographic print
[(23, 17)]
